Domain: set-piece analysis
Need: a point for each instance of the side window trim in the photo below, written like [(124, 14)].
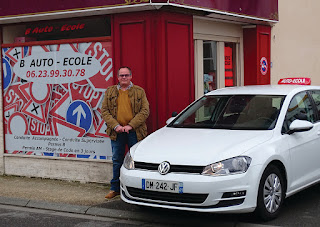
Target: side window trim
[(315, 116), (314, 105)]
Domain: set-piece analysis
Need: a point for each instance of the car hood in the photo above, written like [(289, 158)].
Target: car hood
[(196, 146)]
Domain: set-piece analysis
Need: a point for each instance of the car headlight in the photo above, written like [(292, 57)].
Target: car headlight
[(128, 162), (234, 165)]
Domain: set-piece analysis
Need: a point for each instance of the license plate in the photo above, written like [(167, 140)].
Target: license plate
[(162, 186)]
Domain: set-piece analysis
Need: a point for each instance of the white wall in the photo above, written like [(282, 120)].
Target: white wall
[(295, 41)]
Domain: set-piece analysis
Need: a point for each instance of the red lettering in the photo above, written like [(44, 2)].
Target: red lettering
[(35, 30), (63, 28), (73, 27), (28, 30)]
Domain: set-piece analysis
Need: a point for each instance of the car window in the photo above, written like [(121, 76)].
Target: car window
[(258, 112), (300, 108), (316, 98)]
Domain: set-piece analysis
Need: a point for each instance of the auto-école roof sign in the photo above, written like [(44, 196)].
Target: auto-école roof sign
[(295, 81)]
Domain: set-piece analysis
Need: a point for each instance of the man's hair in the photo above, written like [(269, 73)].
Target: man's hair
[(124, 67)]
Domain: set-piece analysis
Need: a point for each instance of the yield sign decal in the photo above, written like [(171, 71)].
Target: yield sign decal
[(66, 129), (25, 90), (9, 110), (59, 110), (16, 53), (57, 92), (101, 130)]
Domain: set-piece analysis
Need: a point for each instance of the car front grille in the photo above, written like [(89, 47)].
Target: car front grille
[(166, 196), (173, 168)]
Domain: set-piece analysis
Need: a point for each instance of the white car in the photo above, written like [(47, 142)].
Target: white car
[(234, 150)]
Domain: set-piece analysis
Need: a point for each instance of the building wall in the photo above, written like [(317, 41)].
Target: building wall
[(144, 41), (295, 41)]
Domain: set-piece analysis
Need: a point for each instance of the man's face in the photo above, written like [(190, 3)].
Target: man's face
[(124, 77)]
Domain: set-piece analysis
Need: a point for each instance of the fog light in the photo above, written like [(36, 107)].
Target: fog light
[(234, 194)]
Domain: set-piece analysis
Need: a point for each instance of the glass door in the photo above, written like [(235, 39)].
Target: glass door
[(216, 65), (209, 66)]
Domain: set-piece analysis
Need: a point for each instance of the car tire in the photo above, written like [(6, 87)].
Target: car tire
[(271, 194)]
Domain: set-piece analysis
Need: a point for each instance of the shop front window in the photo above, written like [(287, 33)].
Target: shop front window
[(53, 89), (209, 66)]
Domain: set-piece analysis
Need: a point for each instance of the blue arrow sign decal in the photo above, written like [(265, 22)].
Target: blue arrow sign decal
[(80, 114)]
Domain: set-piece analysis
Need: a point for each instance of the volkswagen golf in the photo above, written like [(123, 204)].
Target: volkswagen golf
[(234, 150)]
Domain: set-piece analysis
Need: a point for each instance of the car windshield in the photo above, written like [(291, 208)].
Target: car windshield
[(238, 112)]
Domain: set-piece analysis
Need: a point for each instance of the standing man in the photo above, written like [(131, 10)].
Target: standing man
[(125, 109)]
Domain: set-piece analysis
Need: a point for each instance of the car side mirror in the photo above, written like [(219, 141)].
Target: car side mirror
[(299, 126), (173, 116), (170, 120)]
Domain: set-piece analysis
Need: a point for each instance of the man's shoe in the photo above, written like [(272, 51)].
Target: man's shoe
[(112, 194)]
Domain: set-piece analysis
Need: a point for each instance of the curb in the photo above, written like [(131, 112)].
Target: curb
[(77, 209), (111, 213)]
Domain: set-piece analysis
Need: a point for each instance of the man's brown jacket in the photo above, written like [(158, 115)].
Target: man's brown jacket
[(140, 109)]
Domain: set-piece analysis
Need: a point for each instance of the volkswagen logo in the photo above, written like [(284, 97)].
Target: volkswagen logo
[(164, 168)]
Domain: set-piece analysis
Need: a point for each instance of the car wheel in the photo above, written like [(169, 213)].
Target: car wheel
[(271, 194)]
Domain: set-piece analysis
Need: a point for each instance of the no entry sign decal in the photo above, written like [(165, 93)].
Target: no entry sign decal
[(51, 96)]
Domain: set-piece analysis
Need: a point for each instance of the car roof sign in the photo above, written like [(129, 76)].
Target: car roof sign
[(296, 81)]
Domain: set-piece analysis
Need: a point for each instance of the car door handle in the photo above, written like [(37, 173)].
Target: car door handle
[(318, 133)]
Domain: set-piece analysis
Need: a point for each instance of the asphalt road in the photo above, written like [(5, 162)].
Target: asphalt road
[(24, 217), (78, 204)]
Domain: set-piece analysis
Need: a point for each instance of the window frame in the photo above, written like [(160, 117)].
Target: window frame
[(313, 106)]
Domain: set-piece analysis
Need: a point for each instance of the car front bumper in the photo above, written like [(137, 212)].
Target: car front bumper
[(222, 194)]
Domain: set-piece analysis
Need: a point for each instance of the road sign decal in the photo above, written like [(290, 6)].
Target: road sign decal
[(80, 114)]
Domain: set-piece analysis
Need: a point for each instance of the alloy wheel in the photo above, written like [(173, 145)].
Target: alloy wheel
[(272, 193)]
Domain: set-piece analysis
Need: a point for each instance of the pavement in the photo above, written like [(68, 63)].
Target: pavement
[(88, 199)]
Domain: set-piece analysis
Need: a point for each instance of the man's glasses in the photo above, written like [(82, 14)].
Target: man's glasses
[(124, 75)]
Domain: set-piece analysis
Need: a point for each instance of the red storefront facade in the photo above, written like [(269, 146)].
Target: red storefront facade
[(157, 39)]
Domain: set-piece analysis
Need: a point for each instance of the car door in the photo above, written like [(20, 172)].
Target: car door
[(303, 146)]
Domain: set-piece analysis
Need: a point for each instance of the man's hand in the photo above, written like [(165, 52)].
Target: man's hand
[(127, 128), (119, 129)]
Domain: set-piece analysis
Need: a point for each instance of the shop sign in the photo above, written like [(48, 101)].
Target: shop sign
[(295, 81), (52, 107), (68, 29)]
